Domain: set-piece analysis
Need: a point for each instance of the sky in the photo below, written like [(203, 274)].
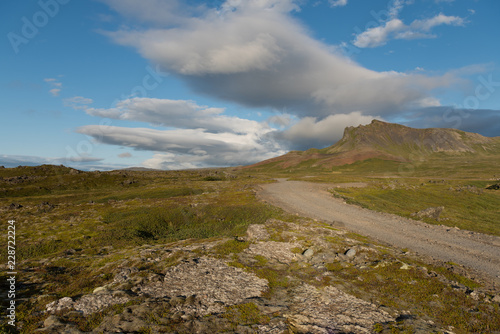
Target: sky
[(170, 84)]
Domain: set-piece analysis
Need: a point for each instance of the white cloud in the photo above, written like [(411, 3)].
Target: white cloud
[(77, 102), (474, 69), (198, 136), (378, 36), (55, 91), (172, 161), (196, 145), (396, 6), (178, 114), (396, 29), (256, 54), (258, 5), (427, 24), (337, 3), (55, 85), (191, 135)]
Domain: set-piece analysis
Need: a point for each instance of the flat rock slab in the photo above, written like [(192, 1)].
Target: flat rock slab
[(329, 310), (212, 282)]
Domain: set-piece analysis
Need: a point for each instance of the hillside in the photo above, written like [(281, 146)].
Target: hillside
[(393, 142)]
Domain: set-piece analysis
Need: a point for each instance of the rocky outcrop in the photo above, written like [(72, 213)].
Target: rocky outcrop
[(330, 310), (89, 303), (210, 284), (281, 277)]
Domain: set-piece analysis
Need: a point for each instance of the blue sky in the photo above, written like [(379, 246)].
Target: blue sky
[(182, 84)]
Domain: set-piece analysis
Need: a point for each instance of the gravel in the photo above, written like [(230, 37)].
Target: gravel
[(476, 251)]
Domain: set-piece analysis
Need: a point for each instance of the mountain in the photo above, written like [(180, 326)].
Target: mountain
[(388, 141)]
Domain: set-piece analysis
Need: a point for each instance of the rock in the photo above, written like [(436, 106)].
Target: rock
[(124, 275), (494, 187), (433, 212), (177, 300), (121, 323), (476, 295), (329, 310), (15, 206), (53, 325), (215, 284), (201, 294), (59, 305), (100, 290), (45, 207), (256, 232), (496, 299), (308, 253), (350, 253), (191, 300), (52, 320), (405, 266), (87, 304), (279, 251), (119, 293)]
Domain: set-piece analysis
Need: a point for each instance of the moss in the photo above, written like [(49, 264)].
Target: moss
[(261, 260), (336, 266), (245, 314), (230, 247)]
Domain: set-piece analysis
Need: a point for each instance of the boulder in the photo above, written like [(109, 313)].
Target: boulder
[(350, 253), (256, 232), (432, 212), (308, 253)]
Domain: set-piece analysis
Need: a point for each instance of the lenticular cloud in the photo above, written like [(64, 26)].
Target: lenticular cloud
[(256, 54)]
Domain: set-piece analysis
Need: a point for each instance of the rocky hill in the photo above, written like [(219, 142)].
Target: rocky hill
[(389, 141)]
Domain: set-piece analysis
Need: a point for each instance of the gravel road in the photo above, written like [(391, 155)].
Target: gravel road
[(474, 250)]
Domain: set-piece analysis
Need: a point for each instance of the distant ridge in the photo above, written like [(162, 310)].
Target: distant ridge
[(139, 169), (388, 141)]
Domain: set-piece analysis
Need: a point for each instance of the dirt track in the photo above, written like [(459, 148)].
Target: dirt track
[(473, 250)]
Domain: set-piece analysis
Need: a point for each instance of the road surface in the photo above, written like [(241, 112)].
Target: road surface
[(471, 249)]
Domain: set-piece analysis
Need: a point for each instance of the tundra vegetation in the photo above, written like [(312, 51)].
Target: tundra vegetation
[(76, 230)]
